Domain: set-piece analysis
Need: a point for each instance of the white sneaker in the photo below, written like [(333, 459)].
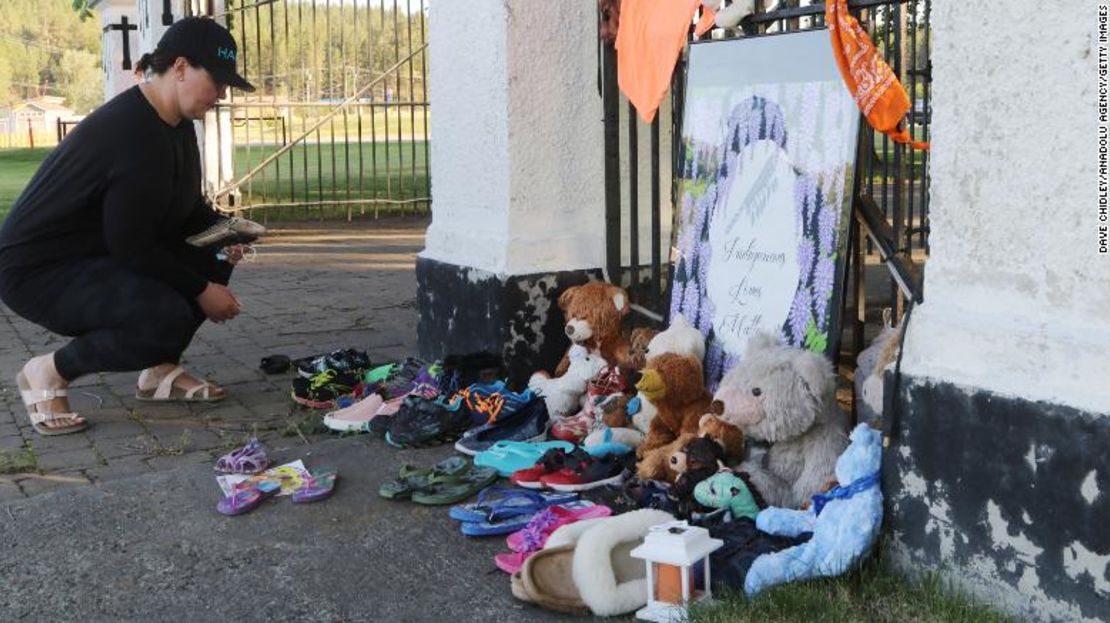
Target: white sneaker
[(233, 230)]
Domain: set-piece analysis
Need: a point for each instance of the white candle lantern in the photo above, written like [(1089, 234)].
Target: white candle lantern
[(677, 557)]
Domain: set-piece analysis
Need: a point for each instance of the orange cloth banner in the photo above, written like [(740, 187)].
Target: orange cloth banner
[(879, 94), (649, 39)]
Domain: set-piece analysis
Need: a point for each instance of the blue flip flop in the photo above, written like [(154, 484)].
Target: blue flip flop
[(497, 526), (502, 502), (510, 456)]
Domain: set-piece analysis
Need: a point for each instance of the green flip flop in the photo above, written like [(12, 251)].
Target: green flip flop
[(455, 488), (412, 478)]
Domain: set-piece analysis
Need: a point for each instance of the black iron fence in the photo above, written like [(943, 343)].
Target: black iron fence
[(339, 123), (892, 204)]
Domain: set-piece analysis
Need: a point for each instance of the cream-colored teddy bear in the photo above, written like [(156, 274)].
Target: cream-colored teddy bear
[(563, 395)]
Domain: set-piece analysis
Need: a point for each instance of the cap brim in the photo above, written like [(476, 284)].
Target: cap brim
[(232, 79)]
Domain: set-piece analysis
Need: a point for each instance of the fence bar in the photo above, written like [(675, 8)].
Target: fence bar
[(633, 202)]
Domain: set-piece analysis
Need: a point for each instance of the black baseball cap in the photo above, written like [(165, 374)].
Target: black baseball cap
[(208, 44)]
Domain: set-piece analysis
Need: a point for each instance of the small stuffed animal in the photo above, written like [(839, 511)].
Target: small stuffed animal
[(697, 460), (680, 338), (563, 395), (731, 490), (844, 521), (786, 397), (593, 313), (656, 465), (638, 347)]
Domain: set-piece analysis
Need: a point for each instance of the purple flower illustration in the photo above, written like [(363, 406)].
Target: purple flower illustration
[(824, 277), (800, 316), (826, 227), (805, 258)]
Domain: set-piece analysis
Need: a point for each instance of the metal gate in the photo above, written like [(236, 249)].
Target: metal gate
[(893, 206), (338, 125)]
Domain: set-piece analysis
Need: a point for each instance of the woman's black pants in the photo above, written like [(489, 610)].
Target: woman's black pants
[(119, 320)]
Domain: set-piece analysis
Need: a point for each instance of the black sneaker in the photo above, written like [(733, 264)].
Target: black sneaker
[(424, 422), (322, 390), (226, 231), (346, 360)]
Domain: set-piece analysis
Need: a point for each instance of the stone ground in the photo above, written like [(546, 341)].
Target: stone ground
[(119, 522)]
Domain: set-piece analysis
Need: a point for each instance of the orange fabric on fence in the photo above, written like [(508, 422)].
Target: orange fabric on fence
[(649, 39), (879, 94)]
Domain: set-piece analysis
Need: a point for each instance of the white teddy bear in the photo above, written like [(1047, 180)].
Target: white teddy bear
[(563, 395)]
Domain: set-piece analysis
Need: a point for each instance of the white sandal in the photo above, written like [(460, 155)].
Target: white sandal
[(166, 392), (33, 397)]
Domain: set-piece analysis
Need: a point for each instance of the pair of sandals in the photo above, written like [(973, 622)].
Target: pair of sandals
[(49, 424), (447, 482)]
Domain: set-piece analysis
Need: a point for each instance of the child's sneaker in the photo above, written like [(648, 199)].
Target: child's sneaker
[(573, 428), (322, 390), (227, 230), (346, 360)]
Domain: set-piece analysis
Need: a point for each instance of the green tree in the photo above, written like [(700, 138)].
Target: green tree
[(80, 80)]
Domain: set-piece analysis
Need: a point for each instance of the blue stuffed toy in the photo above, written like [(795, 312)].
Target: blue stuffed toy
[(845, 521)]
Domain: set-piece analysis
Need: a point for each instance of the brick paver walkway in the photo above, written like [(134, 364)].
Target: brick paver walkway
[(314, 287)]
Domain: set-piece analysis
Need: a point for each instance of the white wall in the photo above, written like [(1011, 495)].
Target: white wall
[(517, 159), (117, 79), (1017, 297)]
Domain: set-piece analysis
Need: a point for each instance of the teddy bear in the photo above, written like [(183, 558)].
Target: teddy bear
[(674, 384), (696, 460), (563, 395), (786, 397), (844, 522), (655, 465), (638, 343), (593, 313), (731, 490), (679, 338)]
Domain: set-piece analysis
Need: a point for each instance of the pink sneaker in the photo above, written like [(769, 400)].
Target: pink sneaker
[(354, 417)]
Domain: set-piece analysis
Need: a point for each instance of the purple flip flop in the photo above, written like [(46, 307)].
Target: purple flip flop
[(318, 486), (250, 459), (245, 500)]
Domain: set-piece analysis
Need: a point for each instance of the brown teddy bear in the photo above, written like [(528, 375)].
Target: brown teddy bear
[(656, 465), (638, 347), (674, 384), (594, 312)]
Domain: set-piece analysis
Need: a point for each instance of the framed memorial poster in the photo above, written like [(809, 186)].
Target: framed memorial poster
[(769, 137)]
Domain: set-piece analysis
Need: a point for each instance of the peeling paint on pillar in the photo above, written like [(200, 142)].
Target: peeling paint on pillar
[(1004, 497), (465, 309)]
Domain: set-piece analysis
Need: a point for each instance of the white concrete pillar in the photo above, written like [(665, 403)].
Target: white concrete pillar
[(1016, 291), (518, 209), (998, 472), (517, 155)]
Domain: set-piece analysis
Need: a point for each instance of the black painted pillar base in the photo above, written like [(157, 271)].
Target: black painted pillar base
[(465, 309), (1008, 498)]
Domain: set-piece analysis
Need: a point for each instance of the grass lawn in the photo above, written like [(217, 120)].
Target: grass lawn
[(871, 593), (307, 172), (323, 172), (16, 168)]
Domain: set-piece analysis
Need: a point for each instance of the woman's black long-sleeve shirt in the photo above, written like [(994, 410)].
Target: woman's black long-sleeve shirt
[(123, 184)]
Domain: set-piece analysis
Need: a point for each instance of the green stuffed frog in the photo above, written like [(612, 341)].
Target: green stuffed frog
[(728, 489)]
